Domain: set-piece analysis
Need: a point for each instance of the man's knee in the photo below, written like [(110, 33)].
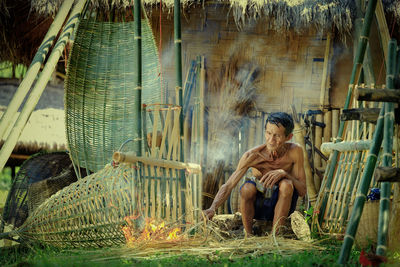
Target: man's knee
[(286, 188), (248, 191)]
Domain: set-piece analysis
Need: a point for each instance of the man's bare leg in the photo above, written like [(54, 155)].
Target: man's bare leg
[(247, 198), (284, 201)]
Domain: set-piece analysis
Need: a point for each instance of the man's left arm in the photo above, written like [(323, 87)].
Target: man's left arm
[(297, 175)]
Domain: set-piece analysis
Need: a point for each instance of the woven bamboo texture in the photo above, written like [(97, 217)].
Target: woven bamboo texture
[(99, 89)]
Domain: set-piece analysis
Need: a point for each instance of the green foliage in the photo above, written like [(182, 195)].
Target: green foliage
[(5, 179), (45, 256), (7, 72)]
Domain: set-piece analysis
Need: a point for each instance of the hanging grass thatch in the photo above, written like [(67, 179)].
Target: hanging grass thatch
[(281, 14)]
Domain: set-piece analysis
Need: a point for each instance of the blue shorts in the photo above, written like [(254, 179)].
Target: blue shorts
[(264, 208)]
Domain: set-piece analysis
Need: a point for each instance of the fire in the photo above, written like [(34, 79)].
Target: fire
[(152, 231)]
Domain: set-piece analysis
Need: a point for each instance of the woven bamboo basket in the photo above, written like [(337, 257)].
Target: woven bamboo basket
[(89, 212), (99, 89)]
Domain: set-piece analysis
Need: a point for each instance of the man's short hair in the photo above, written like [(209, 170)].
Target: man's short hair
[(281, 118)]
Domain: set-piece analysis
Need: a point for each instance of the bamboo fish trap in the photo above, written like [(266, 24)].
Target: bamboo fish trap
[(99, 96), (93, 211)]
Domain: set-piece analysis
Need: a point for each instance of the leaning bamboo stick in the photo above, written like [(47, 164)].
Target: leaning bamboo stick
[(131, 157), (38, 60), (44, 77), (383, 221)]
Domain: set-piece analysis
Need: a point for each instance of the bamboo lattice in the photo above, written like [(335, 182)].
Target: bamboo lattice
[(349, 170)]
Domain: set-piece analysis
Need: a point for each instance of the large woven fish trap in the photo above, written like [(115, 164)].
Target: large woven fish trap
[(99, 89), (93, 211)]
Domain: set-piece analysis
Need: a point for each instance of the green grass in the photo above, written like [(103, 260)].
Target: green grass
[(37, 256)]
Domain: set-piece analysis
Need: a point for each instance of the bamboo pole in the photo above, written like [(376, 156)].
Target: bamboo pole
[(132, 158), (355, 75), (383, 221), (328, 148), (325, 70), (202, 110), (37, 91), (178, 73), (362, 191), (335, 122), (328, 126), (138, 77), (38, 60)]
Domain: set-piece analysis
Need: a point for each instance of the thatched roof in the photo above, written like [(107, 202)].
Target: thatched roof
[(45, 130), (21, 31), (25, 22), (46, 127), (282, 14)]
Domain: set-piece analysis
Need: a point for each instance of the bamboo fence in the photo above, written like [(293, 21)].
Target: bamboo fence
[(355, 75)]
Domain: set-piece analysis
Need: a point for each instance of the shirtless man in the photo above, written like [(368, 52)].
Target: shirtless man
[(278, 165)]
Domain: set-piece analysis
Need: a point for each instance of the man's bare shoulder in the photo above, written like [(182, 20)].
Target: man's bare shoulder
[(256, 149), (295, 149)]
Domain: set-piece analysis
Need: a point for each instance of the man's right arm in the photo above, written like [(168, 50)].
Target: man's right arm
[(248, 159)]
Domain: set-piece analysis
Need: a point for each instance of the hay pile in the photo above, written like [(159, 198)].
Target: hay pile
[(209, 245), (210, 241)]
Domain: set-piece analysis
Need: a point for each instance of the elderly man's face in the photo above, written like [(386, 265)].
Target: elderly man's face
[(275, 136)]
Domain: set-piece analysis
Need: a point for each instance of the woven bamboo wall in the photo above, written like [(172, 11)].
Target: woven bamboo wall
[(291, 65)]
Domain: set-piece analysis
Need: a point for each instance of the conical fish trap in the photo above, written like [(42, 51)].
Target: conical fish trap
[(99, 89), (90, 212)]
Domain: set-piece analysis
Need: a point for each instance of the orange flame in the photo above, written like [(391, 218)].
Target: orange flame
[(151, 232)]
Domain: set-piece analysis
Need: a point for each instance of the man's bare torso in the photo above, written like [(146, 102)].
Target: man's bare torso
[(282, 161)]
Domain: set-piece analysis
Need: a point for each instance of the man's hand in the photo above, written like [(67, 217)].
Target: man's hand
[(272, 177), (209, 213)]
